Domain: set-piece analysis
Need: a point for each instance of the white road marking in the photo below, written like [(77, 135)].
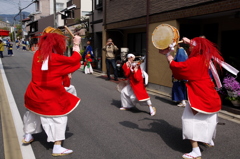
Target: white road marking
[(27, 152)]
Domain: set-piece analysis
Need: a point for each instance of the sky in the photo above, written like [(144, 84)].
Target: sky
[(12, 6)]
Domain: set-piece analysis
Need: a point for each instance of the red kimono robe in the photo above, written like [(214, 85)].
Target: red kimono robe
[(46, 94), (202, 95), (137, 83)]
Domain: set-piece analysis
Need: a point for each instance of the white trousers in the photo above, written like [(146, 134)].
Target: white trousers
[(129, 100), (55, 127), (88, 70), (199, 127)]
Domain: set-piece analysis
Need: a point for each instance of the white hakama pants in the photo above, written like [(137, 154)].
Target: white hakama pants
[(199, 127), (55, 127), (88, 70), (129, 100)]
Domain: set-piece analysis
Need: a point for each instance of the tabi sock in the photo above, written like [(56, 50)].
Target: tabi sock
[(28, 137), (195, 152), (151, 109), (60, 149)]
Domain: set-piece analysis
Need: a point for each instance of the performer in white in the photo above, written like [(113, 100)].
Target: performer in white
[(135, 92)]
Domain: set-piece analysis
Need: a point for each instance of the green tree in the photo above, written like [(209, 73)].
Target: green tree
[(19, 31)]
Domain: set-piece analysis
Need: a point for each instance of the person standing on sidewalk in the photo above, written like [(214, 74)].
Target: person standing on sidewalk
[(1, 48), (199, 119), (135, 91), (46, 99), (110, 49), (179, 90)]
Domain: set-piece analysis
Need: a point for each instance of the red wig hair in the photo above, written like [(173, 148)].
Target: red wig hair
[(205, 48), (51, 43)]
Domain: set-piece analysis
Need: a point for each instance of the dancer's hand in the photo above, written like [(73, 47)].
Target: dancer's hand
[(128, 63), (76, 42), (70, 75), (169, 57), (186, 40), (136, 68)]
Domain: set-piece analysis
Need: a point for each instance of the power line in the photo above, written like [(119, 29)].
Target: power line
[(20, 9)]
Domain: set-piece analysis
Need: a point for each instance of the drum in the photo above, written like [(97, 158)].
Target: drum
[(164, 35)]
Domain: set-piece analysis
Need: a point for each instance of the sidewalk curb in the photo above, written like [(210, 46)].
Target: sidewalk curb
[(16, 126)]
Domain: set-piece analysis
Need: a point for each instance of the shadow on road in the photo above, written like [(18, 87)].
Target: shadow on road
[(42, 138), (117, 103), (171, 135), (168, 101)]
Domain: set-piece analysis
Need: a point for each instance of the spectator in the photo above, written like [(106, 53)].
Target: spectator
[(110, 49)]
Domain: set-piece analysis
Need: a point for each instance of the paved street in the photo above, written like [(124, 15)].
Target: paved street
[(97, 129)]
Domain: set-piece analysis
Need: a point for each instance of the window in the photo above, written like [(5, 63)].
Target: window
[(59, 7), (98, 4), (84, 13), (137, 43)]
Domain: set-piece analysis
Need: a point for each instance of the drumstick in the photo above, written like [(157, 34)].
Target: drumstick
[(69, 31), (180, 41)]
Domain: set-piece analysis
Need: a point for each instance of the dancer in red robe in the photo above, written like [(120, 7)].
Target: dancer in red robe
[(199, 118), (135, 91), (46, 99)]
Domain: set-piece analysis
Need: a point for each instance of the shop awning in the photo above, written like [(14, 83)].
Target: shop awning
[(4, 32)]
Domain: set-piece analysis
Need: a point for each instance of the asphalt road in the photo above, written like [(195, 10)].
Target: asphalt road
[(97, 129)]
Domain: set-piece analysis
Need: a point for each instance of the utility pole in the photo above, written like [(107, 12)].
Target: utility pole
[(14, 30), (54, 14), (20, 12)]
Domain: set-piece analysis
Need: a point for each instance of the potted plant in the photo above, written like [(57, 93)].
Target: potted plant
[(233, 89)]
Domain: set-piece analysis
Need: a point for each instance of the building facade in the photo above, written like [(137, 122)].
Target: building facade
[(44, 16), (4, 24), (131, 23), (86, 7)]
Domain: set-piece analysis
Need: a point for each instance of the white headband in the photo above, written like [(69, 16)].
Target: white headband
[(130, 55)]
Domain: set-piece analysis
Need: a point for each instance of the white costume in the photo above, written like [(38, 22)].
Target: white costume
[(87, 69), (129, 100), (199, 127)]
